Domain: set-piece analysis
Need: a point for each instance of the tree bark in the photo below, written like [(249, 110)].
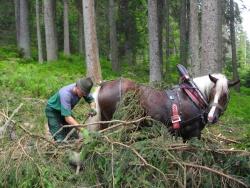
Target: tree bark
[(233, 45), (113, 37), (183, 31), (194, 41), (128, 29), (17, 19), (50, 30), (38, 31), (24, 37), (80, 27), (210, 37), (160, 28), (66, 27), (91, 48), (154, 48), (219, 33), (167, 27)]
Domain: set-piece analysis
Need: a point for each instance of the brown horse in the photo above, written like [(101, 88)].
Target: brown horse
[(157, 103)]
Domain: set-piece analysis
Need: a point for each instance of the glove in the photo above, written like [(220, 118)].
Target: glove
[(92, 112)]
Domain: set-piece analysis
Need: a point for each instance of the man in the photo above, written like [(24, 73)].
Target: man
[(59, 107)]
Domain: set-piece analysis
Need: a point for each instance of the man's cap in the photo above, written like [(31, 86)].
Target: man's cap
[(85, 85)]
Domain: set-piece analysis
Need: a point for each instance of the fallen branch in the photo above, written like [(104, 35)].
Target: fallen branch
[(120, 122), (219, 136), (69, 134), (216, 172), (4, 115), (125, 123), (138, 155), (183, 147), (7, 123), (35, 135)]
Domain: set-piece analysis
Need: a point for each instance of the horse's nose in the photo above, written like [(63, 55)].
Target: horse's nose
[(212, 119)]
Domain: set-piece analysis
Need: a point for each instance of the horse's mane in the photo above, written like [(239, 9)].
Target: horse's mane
[(205, 84)]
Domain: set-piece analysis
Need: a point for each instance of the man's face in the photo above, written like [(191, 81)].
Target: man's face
[(79, 92)]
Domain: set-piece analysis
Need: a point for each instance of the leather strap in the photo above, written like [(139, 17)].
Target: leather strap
[(175, 118), (194, 95), (195, 98), (173, 102)]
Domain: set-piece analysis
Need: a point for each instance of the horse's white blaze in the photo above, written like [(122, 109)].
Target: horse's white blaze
[(97, 117), (212, 111), (205, 85)]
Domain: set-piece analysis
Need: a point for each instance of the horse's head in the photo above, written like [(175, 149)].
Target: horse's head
[(218, 96)]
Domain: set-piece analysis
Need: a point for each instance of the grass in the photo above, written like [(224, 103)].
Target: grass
[(26, 81), (27, 78)]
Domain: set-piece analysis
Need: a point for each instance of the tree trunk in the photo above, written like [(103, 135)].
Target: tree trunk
[(66, 27), (113, 37), (38, 31), (24, 29), (128, 29), (183, 31), (194, 61), (233, 45), (167, 26), (80, 27), (154, 48), (50, 30), (17, 19), (210, 37), (219, 33), (91, 48), (160, 28)]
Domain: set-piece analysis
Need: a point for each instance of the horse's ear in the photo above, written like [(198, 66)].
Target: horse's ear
[(233, 83), (213, 79)]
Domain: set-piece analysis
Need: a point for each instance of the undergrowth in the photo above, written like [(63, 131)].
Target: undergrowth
[(128, 156)]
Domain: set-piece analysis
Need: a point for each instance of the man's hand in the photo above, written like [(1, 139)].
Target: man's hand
[(92, 112)]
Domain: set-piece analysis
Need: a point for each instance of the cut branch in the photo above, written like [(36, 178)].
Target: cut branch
[(216, 172), (7, 123)]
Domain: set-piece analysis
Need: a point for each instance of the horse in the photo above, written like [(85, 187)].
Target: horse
[(158, 104)]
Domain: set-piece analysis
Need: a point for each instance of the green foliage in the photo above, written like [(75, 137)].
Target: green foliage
[(111, 162), (7, 26), (35, 168), (8, 52), (106, 158), (40, 80), (27, 77), (245, 76)]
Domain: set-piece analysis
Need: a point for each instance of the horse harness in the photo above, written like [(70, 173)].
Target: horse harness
[(193, 93)]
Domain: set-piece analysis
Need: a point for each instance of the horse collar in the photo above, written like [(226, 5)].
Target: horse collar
[(175, 104)]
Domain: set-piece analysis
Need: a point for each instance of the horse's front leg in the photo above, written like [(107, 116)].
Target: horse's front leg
[(191, 130)]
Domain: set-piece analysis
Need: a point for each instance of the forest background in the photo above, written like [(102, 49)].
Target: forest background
[(47, 44)]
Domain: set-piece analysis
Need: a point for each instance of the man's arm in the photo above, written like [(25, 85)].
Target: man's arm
[(71, 121)]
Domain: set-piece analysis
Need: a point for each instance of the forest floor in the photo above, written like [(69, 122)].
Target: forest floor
[(30, 84)]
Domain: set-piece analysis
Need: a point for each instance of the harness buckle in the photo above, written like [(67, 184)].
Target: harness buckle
[(175, 118)]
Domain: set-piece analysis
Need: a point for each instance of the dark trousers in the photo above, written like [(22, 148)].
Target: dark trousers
[(55, 122)]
